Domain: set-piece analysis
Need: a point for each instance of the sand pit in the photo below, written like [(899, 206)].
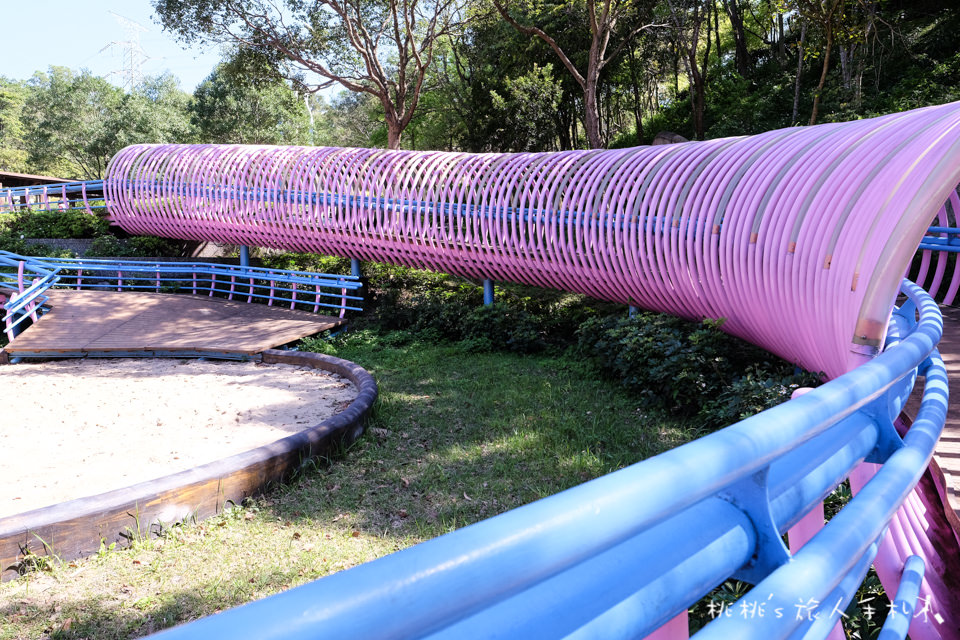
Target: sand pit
[(75, 428)]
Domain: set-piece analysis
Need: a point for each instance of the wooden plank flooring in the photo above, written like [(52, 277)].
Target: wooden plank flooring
[(947, 454), (112, 322)]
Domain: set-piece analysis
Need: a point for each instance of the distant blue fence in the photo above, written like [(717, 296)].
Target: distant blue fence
[(67, 196), (293, 289), (621, 555)]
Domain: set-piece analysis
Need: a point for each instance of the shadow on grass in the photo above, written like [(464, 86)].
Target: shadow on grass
[(457, 437), (138, 611)]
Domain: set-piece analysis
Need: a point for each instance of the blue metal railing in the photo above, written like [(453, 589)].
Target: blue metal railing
[(622, 554), (562, 214), (23, 302), (68, 196), (295, 289), (949, 243), (304, 288)]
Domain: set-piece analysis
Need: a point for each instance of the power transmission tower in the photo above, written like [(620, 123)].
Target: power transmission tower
[(131, 53)]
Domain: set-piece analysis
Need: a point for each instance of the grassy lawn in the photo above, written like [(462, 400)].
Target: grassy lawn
[(455, 437)]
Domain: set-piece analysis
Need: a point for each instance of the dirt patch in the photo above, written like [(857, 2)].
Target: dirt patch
[(74, 428)]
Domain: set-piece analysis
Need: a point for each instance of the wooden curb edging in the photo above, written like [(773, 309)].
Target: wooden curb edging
[(78, 527)]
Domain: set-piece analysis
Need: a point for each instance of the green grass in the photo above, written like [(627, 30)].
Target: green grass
[(455, 437)]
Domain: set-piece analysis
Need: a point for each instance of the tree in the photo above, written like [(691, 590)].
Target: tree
[(71, 116), (77, 122), (228, 109), (688, 19), (735, 10), (351, 121), (13, 154), (527, 109), (379, 47), (156, 111), (826, 15), (618, 20), (483, 67)]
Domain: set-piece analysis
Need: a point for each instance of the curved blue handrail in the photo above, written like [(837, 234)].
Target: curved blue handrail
[(622, 554)]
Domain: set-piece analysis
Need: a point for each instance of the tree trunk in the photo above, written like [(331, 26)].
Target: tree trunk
[(394, 131), (637, 108), (823, 73), (847, 55), (591, 108), (591, 114), (699, 103), (742, 55), (796, 86), (781, 49), (395, 126), (562, 121)]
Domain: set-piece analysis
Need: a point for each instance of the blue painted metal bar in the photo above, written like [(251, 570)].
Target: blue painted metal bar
[(155, 353), (244, 256), (574, 218), (904, 605), (21, 304), (932, 246), (132, 275), (9, 197), (619, 555), (949, 244), (488, 292), (818, 618), (355, 267)]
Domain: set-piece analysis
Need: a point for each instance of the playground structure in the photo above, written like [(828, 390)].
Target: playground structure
[(799, 238)]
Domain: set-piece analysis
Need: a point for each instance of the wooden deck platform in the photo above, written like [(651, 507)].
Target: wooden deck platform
[(947, 454), (112, 323)]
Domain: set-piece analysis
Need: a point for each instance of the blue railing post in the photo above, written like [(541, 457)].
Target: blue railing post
[(354, 267), (244, 256), (632, 310), (488, 292)]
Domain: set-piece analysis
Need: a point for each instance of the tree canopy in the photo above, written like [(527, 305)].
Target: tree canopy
[(229, 109), (381, 47), (708, 68)]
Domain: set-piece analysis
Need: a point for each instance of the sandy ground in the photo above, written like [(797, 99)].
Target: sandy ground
[(75, 428)]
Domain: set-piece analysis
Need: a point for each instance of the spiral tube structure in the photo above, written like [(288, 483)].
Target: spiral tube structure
[(797, 237)]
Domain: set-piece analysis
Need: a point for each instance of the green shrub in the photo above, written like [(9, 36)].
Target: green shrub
[(105, 246), (669, 362), (688, 368), (402, 301), (13, 243), (290, 261), (151, 247), (499, 326), (109, 246), (758, 388), (58, 224)]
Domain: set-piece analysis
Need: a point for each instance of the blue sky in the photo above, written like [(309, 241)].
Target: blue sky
[(38, 34)]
